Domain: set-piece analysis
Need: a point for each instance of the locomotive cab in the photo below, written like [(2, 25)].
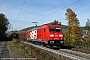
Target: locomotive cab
[(56, 36)]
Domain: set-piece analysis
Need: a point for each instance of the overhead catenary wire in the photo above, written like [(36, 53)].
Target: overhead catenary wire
[(21, 9), (49, 7), (85, 10), (52, 6), (82, 12), (60, 9), (81, 5), (35, 7)]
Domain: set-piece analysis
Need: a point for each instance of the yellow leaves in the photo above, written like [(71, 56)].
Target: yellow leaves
[(74, 32)]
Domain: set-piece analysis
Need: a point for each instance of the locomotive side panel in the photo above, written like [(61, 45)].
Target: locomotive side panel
[(45, 34), (39, 34), (33, 34), (28, 35)]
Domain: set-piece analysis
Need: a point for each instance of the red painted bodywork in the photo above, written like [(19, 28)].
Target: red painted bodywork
[(44, 33)]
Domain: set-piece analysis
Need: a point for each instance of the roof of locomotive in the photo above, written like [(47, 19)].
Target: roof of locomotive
[(53, 25), (50, 25), (37, 27)]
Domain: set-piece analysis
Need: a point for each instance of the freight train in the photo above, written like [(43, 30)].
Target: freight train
[(47, 34)]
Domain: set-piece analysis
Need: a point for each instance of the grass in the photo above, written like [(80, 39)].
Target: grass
[(16, 48)]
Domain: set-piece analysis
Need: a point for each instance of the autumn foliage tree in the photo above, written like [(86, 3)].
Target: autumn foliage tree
[(73, 34)]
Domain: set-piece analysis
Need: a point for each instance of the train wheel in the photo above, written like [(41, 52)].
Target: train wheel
[(36, 42), (43, 44), (58, 47)]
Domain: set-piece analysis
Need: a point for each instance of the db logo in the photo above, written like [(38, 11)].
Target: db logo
[(33, 34)]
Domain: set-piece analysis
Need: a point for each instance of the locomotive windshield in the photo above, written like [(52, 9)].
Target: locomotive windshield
[(54, 29)]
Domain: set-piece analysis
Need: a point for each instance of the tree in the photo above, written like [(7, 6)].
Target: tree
[(56, 22), (88, 25), (4, 24), (73, 34)]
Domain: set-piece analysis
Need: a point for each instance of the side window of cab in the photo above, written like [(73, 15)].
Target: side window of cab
[(44, 30)]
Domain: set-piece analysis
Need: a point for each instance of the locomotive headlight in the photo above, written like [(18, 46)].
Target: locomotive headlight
[(51, 35), (60, 35)]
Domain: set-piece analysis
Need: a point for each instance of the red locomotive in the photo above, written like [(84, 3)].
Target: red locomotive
[(48, 34)]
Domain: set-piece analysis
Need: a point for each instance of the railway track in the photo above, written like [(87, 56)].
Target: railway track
[(81, 54), (73, 55)]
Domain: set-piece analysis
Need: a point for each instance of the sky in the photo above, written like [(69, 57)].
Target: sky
[(21, 13)]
